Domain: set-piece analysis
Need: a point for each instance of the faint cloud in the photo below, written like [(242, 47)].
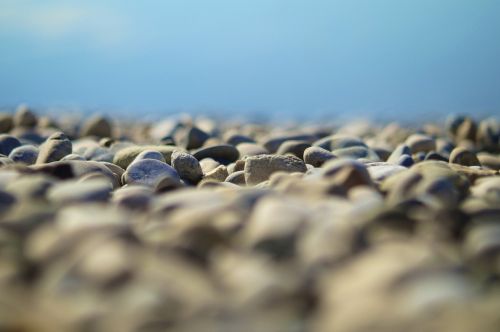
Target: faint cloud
[(94, 24)]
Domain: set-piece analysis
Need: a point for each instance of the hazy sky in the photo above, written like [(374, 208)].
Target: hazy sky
[(310, 56)]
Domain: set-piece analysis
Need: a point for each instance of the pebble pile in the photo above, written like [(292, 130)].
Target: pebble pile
[(203, 225)]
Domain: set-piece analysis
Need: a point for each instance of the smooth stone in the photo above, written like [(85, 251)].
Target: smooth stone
[(237, 177), (356, 152), (235, 139), (223, 153), (433, 155), (32, 186), (8, 143), (56, 147), (6, 122), (208, 164), (259, 168), (115, 169), (489, 160), (251, 149), (401, 150), (190, 138), (97, 153), (464, 157), (70, 169), (5, 161), (347, 173), (444, 147), (434, 170), (293, 147), (187, 166), (382, 153), (488, 135), (98, 126), (453, 121), (7, 200), (23, 117), (488, 189), (167, 140), (69, 192), (152, 173), (73, 156), (317, 156), (125, 156), (150, 154), (273, 143), (380, 172), (106, 142), (339, 141), (420, 143), (466, 130), (133, 197), (405, 160), (26, 154), (472, 172), (219, 174)]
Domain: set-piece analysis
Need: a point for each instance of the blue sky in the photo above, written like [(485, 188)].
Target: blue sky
[(392, 57)]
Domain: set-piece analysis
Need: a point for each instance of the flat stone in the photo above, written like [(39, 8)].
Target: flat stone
[(380, 172), (56, 147), (152, 173), (464, 157), (317, 156), (251, 149), (133, 197), (219, 174), (235, 139), (187, 166), (125, 156), (8, 143), (223, 153), (260, 168)]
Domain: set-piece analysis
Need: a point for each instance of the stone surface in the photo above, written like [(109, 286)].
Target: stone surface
[(420, 143), (98, 126), (8, 143), (152, 173), (26, 154), (223, 153), (187, 166), (464, 157), (259, 168), (125, 156), (56, 147), (317, 156)]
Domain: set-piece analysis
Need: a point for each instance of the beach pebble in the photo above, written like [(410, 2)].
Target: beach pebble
[(489, 160), (356, 152), (190, 137), (125, 156), (464, 157), (237, 177), (273, 143), (133, 197), (339, 141), (251, 149), (293, 147), (6, 122), (259, 168), (235, 139), (23, 117), (26, 154), (223, 153), (398, 152), (346, 173), (69, 192), (153, 173), (56, 147), (218, 174), (187, 166), (8, 143), (150, 154), (98, 126), (405, 160), (420, 143), (317, 156)]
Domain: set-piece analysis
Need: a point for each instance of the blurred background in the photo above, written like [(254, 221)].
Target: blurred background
[(390, 59)]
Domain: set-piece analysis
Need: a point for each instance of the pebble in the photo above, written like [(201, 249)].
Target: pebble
[(223, 153), (399, 151), (464, 157), (273, 143), (152, 173), (237, 177), (191, 137), (98, 126), (356, 152), (125, 156), (8, 143), (260, 168), (339, 141), (251, 149), (24, 117), (317, 156), (293, 147), (218, 174), (71, 192), (6, 122), (26, 154), (56, 147), (420, 143), (187, 166)]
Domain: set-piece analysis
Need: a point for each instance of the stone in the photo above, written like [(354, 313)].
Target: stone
[(251, 149), (56, 147), (339, 141), (133, 197), (24, 117), (346, 173), (32, 186), (235, 139), (356, 152), (488, 135), (317, 156), (223, 153), (70, 192), (259, 168), (293, 147), (190, 137), (273, 143), (489, 160), (98, 126), (26, 154), (73, 156), (152, 173), (6, 122), (420, 143), (237, 177), (382, 171), (435, 156), (187, 166), (398, 152), (464, 157), (8, 143), (150, 154), (405, 160), (125, 156), (208, 164), (219, 174)]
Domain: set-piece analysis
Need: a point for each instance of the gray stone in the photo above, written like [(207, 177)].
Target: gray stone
[(152, 173), (68, 192), (317, 156), (6, 122), (339, 141), (251, 149), (464, 157), (56, 147), (8, 143), (26, 154), (190, 137), (98, 126), (237, 177), (420, 143), (187, 166), (293, 147), (260, 168), (400, 150), (125, 156), (272, 144), (24, 117), (356, 152), (150, 154), (223, 153)]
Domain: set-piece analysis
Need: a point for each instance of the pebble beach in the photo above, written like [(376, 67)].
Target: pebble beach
[(200, 224)]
